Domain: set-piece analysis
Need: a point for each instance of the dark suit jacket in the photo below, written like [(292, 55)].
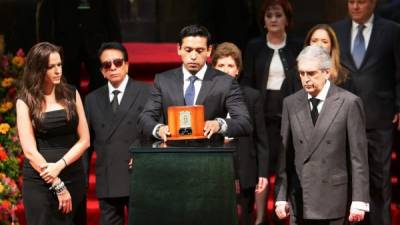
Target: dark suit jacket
[(258, 58), (377, 81), (112, 134), (219, 94), (252, 154), (391, 11), (323, 168)]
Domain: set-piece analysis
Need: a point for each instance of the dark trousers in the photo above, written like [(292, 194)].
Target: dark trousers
[(246, 201), (273, 117), (340, 221), (112, 210), (80, 217), (379, 151)]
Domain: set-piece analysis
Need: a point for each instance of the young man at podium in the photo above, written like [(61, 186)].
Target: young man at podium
[(196, 83)]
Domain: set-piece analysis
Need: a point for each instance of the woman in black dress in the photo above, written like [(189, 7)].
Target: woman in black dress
[(54, 134)]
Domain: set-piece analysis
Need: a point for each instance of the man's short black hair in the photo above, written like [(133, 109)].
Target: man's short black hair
[(193, 31), (113, 45)]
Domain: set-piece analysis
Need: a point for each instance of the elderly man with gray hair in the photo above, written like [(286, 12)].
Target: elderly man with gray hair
[(323, 168)]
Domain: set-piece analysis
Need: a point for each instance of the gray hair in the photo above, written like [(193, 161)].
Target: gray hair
[(316, 52)]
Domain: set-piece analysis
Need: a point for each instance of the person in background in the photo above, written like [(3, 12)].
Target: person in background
[(251, 159), (53, 133), (324, 36), (269, 60), (370, 51), (79, 27), (112, 112)]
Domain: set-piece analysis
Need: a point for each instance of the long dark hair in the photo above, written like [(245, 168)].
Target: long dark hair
[(32, 86)]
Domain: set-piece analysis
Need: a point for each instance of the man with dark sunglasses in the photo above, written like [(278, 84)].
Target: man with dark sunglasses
[(112, 112)]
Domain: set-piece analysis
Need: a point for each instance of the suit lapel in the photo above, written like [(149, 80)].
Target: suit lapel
[(304, 115), (177, 88), (130, 94), (373, 42), (105, 104), (262, 59), (205, 86), (347, 46), (331, 107)]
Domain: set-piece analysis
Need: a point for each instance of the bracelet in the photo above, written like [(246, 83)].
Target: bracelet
[(55, 184), (65, 162), (58, 188)]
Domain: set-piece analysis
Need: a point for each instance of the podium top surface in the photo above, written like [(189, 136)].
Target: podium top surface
[(182, 146)]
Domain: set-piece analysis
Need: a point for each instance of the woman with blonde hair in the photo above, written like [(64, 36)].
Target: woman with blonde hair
[(325, 36)]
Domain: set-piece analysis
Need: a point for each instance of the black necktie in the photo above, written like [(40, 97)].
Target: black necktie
[(314, 110), (114, 102), (190, 91)]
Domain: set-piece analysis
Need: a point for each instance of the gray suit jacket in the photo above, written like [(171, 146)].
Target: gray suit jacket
[(323, 168), (112, 134), (219, 94)]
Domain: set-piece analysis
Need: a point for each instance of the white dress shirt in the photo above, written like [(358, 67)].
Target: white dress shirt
[(321, 96), (366, 32), (121, 88), (197, 83), (276, 73)]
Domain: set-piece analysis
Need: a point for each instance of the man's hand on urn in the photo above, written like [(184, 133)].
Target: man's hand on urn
[(211, 127), (163, 132)]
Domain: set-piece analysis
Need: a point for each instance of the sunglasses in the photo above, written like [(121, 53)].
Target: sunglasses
[(106, 65)]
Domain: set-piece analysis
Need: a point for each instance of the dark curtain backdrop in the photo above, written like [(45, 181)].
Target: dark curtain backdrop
[(161, 20)]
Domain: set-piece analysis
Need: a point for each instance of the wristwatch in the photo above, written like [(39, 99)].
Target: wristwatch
[(221, 123)]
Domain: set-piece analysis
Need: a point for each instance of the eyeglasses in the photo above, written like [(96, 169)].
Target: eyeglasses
[(106, 65)]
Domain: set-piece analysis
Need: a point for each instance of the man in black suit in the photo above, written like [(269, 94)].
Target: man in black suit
[(79, 27), (196, 83), (112, 112), (370, 50), (323, 166)]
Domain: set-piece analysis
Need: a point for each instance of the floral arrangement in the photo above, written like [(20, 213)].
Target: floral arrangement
[(11, 156)]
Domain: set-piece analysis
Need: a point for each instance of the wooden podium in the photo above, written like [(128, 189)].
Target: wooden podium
[(190, 184)]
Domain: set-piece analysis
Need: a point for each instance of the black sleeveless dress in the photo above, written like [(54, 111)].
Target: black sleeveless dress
[(54, 137)]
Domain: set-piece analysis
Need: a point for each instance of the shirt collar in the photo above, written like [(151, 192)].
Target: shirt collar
[(200, 74), (367, 24), (323, 93), (277, 46), (121, 87)]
